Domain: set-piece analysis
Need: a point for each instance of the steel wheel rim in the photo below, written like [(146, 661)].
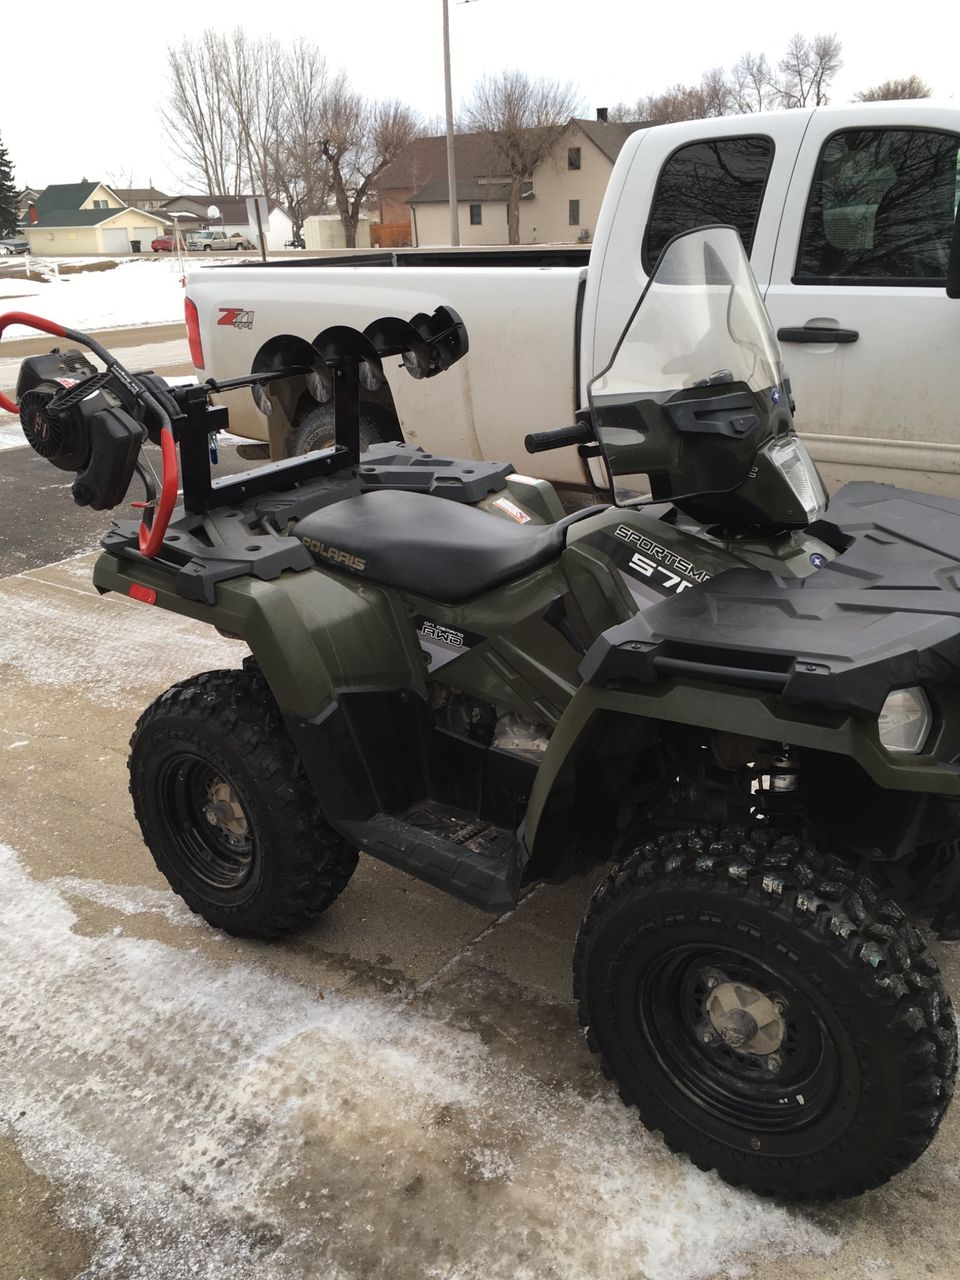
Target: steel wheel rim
[(733, 1085), (217, 855)]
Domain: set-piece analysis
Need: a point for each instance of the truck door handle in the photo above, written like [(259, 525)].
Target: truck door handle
[(810, 333)]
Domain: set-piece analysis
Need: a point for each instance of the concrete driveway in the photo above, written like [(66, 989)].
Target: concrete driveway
[(400, 1092)]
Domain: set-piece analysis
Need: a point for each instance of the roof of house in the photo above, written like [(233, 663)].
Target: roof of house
[(468, 189), (425, 161), (65, 195), (233, 209), (610, 135), (83, 217), (139, 195)]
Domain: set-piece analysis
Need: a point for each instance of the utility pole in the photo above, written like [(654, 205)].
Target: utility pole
[(451, 157)]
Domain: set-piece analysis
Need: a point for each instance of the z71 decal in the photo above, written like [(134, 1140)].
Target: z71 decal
[(237, 317)]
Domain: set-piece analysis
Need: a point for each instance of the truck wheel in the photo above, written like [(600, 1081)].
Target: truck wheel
[(227, 812), (316, 432), (765, 1009)]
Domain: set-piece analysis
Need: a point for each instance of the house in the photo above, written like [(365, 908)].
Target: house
[(25, 199), (87, 217), (233, 217), (148, 198), (420, 166), (559, 203)]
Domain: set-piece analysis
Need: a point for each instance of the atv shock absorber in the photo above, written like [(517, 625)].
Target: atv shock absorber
[(156, 514)]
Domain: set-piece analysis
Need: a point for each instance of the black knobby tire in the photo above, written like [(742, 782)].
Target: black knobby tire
[(865, 1069), (272, 862)]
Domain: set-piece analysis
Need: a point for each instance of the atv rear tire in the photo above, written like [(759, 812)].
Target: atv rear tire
[(768, 1011), (227, 811)]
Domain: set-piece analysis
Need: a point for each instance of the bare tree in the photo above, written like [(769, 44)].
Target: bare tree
[(299, 173), (753, 85), (808, 68), (525, 117), (893, 90), (357, 140), (198, 114)]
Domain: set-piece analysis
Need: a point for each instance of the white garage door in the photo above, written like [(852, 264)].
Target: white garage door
[(116, 240), (144, 235)]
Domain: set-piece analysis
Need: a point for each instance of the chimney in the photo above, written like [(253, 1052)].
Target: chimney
[(602, 114), (32, 214)]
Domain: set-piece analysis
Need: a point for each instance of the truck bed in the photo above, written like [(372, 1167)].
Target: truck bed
[(473, 256)]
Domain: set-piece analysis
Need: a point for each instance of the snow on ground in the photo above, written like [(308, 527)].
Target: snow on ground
[(131, 293), (210, 1117), (135, 292)]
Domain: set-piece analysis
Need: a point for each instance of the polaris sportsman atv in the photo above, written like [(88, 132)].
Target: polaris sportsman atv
[(750, 710)]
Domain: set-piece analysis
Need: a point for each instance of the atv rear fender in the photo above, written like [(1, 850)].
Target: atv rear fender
[(310, 632)]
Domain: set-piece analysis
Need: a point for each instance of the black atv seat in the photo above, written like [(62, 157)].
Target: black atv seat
[(425, 544)]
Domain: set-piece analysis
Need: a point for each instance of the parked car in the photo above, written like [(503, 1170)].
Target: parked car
[(14, 245), (162, 244), (852, 271), (208, 241)]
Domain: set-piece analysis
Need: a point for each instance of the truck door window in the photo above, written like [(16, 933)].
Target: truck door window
[(705, 183), (881, 208)]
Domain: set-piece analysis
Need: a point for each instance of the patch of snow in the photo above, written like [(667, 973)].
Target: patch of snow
[(103, 646), (136, 291), (11, 437), (130, 900), (209, 1119)]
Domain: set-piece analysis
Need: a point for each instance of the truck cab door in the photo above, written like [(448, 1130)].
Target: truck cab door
[(671, 179), (857, 294)]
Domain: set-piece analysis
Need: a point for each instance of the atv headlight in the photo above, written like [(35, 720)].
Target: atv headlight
[(790, 456), (905, 720)]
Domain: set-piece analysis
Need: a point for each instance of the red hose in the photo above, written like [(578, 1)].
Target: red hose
[(150, 535)]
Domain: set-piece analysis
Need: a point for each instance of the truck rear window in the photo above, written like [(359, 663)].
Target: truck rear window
[(707, 182)]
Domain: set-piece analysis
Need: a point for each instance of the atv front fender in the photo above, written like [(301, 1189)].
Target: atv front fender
[(310, 632), (752, 713)]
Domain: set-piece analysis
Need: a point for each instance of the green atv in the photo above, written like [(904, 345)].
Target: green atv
[(750, 712)]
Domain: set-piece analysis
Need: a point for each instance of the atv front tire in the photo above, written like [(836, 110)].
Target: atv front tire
[(768, 1011), (226, 809)]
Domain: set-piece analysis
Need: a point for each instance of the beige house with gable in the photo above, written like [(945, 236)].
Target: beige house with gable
[(560, 203), (87, 218)]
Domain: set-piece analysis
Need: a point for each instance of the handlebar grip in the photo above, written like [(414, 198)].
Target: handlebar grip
[(559, 438)]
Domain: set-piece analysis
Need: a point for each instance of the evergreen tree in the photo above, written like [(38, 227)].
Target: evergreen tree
[(8, 195)]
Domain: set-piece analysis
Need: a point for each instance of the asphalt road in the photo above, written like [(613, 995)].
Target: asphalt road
[(39, 522)]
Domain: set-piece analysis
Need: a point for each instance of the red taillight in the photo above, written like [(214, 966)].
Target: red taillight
[(139, 592), (193, 332)]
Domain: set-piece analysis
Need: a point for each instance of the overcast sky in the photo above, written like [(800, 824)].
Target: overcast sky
[(81, 83)]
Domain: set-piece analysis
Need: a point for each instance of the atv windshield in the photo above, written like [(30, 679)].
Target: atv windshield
[(700, 326)]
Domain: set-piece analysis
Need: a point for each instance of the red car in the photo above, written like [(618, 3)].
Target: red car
[(162, 244)]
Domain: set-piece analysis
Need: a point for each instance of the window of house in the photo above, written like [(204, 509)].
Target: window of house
[(881, 207), (709, 182), (100, 204), (574, 213), (476, 215), (573, 157)]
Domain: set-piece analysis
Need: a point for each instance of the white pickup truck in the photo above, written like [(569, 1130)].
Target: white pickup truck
[(849, 215)]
